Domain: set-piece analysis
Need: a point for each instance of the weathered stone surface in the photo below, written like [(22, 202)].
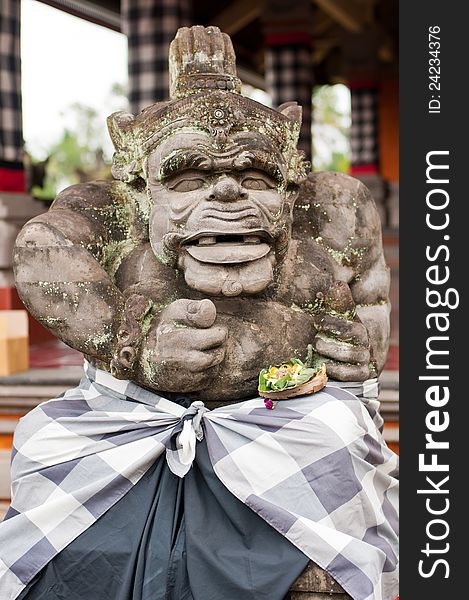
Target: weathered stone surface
[(315, 579), (315, 584), (213, 253)]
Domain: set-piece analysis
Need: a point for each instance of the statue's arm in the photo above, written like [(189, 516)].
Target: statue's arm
[(370, 292), (59, 275), (370, 285), (343, 219)]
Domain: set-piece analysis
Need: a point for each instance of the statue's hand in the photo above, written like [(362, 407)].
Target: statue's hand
[(345, 345), (188, 344)]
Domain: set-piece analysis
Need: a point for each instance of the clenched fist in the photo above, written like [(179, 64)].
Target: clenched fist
[(185, 346), (341, 338), (346, 347)]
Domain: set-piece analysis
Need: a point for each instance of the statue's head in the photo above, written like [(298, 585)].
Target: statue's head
[(222, 170)]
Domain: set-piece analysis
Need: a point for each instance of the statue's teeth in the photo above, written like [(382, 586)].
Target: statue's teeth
[(252, 239), (207, 241)]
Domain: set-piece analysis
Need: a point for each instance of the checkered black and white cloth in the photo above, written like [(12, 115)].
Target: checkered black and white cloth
[(316, 469), (364, 130), (150, 28), (11, 135), (289, 77)]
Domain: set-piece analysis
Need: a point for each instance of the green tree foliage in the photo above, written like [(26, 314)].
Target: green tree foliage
[(82, 153), (331, 128)]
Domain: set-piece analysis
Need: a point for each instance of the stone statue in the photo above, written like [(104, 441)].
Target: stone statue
[(214, 252)]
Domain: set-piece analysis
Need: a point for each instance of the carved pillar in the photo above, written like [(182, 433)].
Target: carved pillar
[(16, 207), (361, 67), (364, 140), (11, 134), (389, 146), (150, 25), (288, 63), (11, 141), (364, 130)]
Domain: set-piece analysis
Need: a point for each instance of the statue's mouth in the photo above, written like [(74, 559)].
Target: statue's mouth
[(228, 248)]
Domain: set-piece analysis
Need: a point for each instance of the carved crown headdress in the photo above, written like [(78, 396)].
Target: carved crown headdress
[(205, 95)]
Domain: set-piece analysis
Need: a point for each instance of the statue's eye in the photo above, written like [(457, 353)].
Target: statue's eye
[(257, 183), (186, 185)]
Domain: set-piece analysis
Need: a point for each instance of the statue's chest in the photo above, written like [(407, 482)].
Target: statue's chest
[(308, 272), (263, 329), (261, 333)]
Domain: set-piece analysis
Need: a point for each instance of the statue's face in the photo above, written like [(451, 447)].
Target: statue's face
[(221, 212)]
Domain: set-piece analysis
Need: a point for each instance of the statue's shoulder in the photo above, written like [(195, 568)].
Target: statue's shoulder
[(333, 188), (109, 204), (338, 210), (85, 196)]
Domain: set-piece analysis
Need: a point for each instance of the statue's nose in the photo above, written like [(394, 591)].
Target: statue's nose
[(227, 189)]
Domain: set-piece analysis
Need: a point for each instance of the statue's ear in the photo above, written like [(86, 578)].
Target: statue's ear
[(117, 124), (124, 166), (291, 110)]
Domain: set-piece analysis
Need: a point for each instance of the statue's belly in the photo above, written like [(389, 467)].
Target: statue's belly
[(260, 334)]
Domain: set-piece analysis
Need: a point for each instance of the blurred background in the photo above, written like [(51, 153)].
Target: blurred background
[(67, 64)]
